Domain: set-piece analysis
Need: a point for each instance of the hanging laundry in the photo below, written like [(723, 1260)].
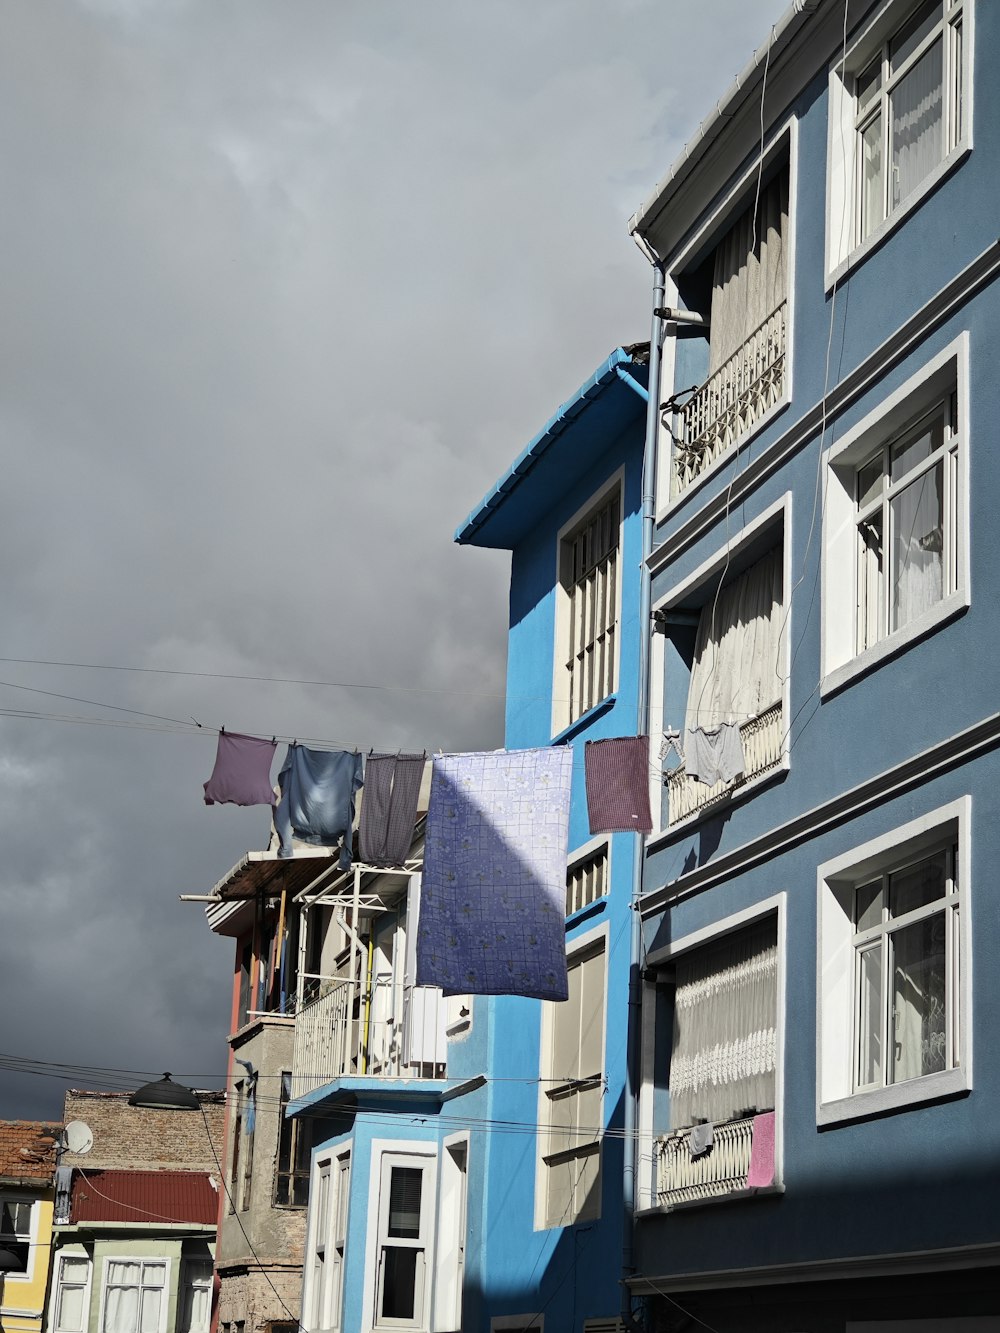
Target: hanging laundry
[(700, 1139), (671, 743), (317, 799), (493, 897), (389, 808), (617, 773), (714, 755), (761, 1171), (242, 772)]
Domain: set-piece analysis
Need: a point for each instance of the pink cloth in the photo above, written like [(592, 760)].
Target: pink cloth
[(242, 772), (762, 1152), (617, 773)]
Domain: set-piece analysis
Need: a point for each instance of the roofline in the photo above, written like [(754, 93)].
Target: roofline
[(795, 17), (605, 375)]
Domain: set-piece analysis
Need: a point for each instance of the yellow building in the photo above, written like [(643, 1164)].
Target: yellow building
[(27, 1163)]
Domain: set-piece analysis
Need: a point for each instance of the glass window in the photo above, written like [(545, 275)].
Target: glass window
[(15, 1229), (74, 1274), (589, 565), (405, 1211), (295, 1143), (134, 1296)]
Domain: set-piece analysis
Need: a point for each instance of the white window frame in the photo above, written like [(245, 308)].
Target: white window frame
[(840, 662), (579, 857), (593, 942), (326, 1238), (844, 246), (646, 1185), (836, 1099), (563, 715), (451, 1234), (386, 1153), (660, 709), (783, 139), (12, 1280), (142, 1260), (80, 1256), (189, 1285)]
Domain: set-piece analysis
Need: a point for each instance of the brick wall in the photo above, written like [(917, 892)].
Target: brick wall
[(249, 1295), (130, 1138)]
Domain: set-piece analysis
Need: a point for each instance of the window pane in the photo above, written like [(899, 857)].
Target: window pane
[(150, 1311), (870, 1017), (872, 206), (404, 1201), (911, 34), (399, 1282), (917, 547), (124, 1272), (913, 449), (75, 1270), (871, 586), (918, 885), (917, 122), (918, 993), (868, 905), (70, 1313), (957, 128), (869, 82)]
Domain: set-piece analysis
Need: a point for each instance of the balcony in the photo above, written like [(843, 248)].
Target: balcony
[(349, 1031), (722, 1170), (731, 402), (762, 747)]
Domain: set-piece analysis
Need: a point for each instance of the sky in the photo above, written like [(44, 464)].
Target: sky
[(286, 285)]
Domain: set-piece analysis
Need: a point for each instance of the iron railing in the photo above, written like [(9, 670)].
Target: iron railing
[(722, 1170)]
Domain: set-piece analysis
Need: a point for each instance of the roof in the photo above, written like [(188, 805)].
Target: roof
[(258, 872), (28, 1150), (600, 409), (144, 1196)]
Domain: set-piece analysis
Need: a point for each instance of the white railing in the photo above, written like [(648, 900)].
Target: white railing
[(761, 737), (731, 401), (722, 1170)]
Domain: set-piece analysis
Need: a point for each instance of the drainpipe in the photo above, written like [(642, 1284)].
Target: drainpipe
[(642, 724)]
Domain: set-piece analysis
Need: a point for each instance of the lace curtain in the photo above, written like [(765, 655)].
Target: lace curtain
[(725, 1012), (734, 675), (917, 123), (748, 286)]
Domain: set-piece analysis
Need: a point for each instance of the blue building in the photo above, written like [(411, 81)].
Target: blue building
[(818, 1140)]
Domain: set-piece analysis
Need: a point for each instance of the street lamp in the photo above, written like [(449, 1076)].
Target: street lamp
[(164, 1095)]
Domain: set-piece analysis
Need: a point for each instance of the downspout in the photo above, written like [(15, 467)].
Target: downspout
[(642, 725)]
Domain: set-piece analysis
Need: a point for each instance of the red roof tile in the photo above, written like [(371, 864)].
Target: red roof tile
[(144, 1196), (28, 1149)]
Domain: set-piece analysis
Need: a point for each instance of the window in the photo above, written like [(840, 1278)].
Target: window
[(237, 1137), (571, 1095), (196, 1296), (324, 1272), (893, 916), (15, 1230), (249, 1125), (587, 879), (405, 1213), (243, 1002), (589, 579), (295, 1141), (71, 1294), (895, 522), (899, 110), (135, 1296)]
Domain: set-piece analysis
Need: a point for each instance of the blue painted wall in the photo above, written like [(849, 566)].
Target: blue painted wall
[(935, 1168)]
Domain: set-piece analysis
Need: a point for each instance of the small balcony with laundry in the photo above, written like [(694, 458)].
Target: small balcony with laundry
[(734, 343)]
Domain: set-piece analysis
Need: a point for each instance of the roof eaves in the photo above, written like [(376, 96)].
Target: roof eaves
[(605, 375)]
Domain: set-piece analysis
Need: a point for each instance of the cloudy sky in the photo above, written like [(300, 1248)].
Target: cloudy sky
[(285, 285)]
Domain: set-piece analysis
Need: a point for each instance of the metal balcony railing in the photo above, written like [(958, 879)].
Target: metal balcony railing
[(722, 1170), (762, 738), (731, 401)]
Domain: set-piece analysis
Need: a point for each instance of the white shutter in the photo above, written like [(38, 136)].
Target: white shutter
[(425, 1040)]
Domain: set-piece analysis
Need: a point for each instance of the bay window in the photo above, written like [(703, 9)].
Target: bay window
[(135, 1296), (405, 1218), (71, 1294)]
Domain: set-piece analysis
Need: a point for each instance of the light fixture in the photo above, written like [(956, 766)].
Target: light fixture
[(164, 1095)]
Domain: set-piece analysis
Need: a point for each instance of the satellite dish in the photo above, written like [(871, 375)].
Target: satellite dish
[(78, 1137)]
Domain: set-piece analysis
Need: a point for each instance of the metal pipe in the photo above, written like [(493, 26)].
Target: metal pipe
[(675, 316), (642, 725), (634, 384)]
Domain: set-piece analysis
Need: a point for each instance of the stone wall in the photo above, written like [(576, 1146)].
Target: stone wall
[(247, 1295)]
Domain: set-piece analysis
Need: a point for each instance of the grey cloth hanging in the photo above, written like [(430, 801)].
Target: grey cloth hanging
[(389, 807), (700, 1139)]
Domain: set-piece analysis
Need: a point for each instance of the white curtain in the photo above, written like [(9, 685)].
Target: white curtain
[(917, 124), (917, 548), (749, 281), (121, 1304), (735, 672), (725, 1013)]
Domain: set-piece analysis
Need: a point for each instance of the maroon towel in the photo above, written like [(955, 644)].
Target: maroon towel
[(242, 772), (618, 785)]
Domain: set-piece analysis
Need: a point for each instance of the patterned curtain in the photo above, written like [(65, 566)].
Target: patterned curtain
[(725, 1013)]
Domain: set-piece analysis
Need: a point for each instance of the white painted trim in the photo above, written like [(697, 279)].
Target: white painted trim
[(777, 904), (377, 1150), (140, 1259), (587, 850), (841, 255), (75, 1250), (835, 934), (589, 940), (12, 1281), (457, 1225), (645, 1163), (561, 703), (839, 663), (787, 131)]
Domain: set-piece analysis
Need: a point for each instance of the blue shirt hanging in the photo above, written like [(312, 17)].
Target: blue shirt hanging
[(317, 799)]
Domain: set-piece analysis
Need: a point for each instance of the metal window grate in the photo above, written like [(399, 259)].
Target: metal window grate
[(586, 881), (590, 563)]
